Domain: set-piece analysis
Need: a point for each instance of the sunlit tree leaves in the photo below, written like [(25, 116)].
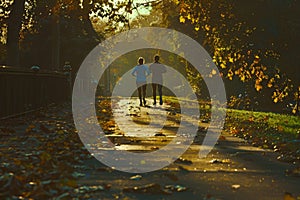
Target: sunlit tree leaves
[(230, 39)]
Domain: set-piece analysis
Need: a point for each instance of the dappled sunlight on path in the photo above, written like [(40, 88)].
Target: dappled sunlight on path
[(42, 157)]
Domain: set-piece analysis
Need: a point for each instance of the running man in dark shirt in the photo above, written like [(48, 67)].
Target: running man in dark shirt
[(157, 69)]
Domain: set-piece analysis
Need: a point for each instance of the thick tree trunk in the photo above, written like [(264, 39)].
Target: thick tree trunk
[(13, 32), (87, 24)]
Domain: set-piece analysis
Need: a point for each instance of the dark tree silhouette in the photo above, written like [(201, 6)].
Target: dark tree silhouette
[(14, 24)]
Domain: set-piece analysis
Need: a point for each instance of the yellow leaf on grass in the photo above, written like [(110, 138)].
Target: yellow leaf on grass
[(280, 128), (294, 111)]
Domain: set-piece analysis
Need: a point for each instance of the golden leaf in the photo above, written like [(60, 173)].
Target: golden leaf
[(288, 196), (243, 78), (223, 66), (207, 27), (280, 128), (258, 87), (270, 85), (181, 19), (294, 111), (255, 61), (230, 74)]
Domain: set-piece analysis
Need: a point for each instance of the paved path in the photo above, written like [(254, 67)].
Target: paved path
[(232, 170)]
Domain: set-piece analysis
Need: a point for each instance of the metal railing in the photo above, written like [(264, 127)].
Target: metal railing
[(22, 90)]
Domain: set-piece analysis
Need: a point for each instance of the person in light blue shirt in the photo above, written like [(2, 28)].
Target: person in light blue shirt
[(141, 72)]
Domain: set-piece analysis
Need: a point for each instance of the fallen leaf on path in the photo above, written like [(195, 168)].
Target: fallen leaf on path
[(177, 188), (222, 137), (30, 128), (235, 186), (154, 148), (85, 189), (218, 161), (136, 177), (184, 161), (288, 196), (152, 188), (77, 174)]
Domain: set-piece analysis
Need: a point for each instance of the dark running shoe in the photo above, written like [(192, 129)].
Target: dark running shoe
[(160, 102)]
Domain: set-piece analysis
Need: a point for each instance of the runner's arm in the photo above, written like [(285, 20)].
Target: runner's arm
[(133, 73)]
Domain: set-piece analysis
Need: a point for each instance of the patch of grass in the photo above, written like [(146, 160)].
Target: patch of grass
[(280, 132), (267, 130), (287, 124)]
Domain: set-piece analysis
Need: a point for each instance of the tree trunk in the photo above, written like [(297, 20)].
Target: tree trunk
[(13, 32), (297, 112), (56, 43)]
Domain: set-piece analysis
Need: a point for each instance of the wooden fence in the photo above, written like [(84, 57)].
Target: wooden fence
[(22, 90)]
